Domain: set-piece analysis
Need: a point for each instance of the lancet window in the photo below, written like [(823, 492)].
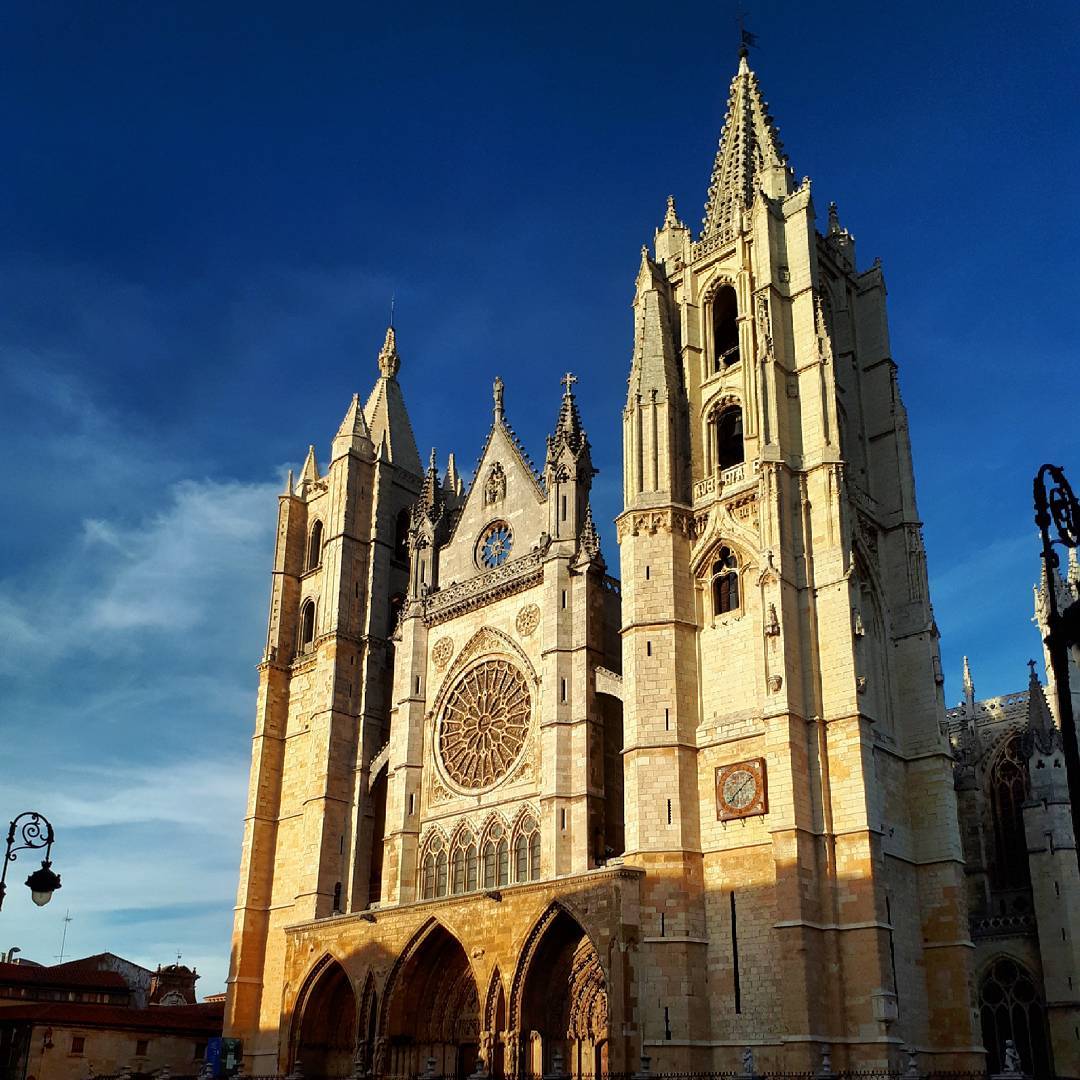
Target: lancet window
[(496, 857), (725, 328), (434, 869), (1008, 791), (725, 582), (464, 863), (307, 626), (314, 551), (527, 850)]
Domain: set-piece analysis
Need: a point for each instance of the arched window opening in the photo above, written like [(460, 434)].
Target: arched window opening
[(1008, 792), (314, 550), (440, 874), (307, 626), (401, 536), (728, 437), (534, 857), (489, 865), (1011, 1007), (428, 885), (502, 853), (725, 582), (457, 879), (470, 868), (526, 841), (725, 328)]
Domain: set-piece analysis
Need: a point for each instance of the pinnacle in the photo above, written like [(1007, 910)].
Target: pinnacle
[(750, 157), (389, 360), (569, 430), (1039, 718)]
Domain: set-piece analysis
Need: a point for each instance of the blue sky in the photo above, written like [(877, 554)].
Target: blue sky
[(206, 209)]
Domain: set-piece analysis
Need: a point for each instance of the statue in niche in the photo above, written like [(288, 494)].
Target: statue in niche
[(495, 484)]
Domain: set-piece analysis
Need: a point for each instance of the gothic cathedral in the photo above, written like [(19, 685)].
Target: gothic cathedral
[(509, 814)]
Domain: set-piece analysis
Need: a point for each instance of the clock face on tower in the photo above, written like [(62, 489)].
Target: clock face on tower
[(496, 542), (740, 789)]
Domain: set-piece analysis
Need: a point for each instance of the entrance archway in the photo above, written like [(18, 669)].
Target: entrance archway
[(326, 1035), (561, 995), (432, 1009)]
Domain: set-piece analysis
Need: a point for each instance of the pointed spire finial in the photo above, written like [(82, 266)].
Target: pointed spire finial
[(289, 483), (389, 361), (671, 218), (497, 393), (432, 462), (568, 381), (1039, 718), (834, 219)]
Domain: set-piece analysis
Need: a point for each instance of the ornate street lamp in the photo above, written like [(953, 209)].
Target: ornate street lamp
[(32, 834), (1057, 506)]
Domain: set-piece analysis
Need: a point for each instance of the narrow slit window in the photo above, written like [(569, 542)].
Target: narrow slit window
[(314, 553), (735, 956)]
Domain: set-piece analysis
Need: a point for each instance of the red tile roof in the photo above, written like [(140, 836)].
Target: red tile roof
[(203, 1019), (80, 973)]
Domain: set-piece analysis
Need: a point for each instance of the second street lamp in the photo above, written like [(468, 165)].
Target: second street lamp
[(31, 831)]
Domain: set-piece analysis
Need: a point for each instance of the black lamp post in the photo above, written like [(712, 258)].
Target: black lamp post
[(1057, 506), (32, 834)]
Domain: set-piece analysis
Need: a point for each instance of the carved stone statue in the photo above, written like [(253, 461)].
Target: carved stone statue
[(748, 1061), (1012, 1059)]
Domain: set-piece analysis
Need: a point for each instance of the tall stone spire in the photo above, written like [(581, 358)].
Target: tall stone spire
[(353, 433), (386, 416), (750, 157)]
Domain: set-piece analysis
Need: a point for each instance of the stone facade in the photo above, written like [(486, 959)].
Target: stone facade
[(1022, 879), (502, 809)]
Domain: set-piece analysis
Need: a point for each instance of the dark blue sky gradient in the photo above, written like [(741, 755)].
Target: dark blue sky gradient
[(207, 207)]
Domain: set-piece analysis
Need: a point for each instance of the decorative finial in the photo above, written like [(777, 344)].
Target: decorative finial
[(393, 298), (671, 218), (834, 219), (1031, 665), (568, 381), (389, 361), (432, 466), (497, 392)]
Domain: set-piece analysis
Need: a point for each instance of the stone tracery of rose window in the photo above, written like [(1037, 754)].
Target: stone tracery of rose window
[(484, 724)]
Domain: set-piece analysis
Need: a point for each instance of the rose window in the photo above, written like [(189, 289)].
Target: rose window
[(484, 724), (495, 544)]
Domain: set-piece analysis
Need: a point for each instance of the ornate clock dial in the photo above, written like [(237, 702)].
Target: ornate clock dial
[(740, 789)]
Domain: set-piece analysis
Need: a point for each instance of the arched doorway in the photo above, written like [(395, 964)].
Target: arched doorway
[(493, 1036), (326, 1035), (1011, 1007), (562, 1000), (432, 1009)]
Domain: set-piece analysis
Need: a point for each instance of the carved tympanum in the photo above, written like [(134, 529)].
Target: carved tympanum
[(484, 724)]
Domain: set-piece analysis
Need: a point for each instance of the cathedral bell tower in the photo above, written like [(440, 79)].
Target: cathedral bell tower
[(312, 835), (789, 788)]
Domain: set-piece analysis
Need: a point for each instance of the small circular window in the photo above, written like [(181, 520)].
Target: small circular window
[(495, 544)]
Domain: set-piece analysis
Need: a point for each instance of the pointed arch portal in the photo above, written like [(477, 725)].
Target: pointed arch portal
[(326, 1035), (433, 1010), (563, 1000)]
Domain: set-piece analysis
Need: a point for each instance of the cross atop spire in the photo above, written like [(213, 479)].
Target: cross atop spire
[(750, 157), (568, 381)]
